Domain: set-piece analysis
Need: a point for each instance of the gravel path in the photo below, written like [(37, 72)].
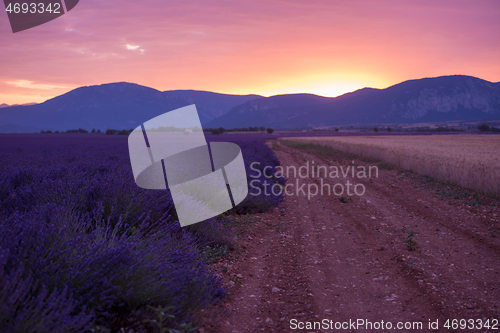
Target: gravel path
[(321, 260)]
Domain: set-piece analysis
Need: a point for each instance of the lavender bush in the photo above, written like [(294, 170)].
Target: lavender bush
[(82, 245), (264, 156)]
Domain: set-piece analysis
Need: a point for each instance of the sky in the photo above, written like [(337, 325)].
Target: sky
[(267, 47)]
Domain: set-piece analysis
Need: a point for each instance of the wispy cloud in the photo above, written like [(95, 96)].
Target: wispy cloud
[(134, 48), (32, 85)]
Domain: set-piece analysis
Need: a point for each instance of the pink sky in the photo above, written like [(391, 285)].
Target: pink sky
[(267, 47)]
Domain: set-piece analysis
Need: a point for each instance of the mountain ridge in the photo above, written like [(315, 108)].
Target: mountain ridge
[(123, 105), (445, 98), (119, 105), (5, 105)]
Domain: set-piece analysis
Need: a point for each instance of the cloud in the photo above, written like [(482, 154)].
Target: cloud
[(134, 48), (31, 85)]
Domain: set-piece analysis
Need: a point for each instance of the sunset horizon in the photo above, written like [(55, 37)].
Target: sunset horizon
[(267, 48), (234, 93)]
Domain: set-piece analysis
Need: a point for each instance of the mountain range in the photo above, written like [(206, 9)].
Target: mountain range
[(119, 105), (444, 98), (3, 105), (127, 105)]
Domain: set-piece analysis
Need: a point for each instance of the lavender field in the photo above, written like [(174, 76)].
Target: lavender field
[(83, 249)]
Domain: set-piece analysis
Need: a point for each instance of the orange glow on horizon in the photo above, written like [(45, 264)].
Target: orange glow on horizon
[(266, 47)]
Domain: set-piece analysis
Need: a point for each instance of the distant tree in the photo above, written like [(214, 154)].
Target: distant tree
[(262, 128), (483, 128), (215, 131), (42, 131), (56, 132), (337, 129), (389, 129), (49, 131), (375, 129), (494, 129), (123, 132), (110, 131), (93, 130), (98, 131), (270, 130), (80, 130), (221, 130)]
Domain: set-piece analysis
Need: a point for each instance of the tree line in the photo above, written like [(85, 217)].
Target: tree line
[(84, 131), (221, 130)]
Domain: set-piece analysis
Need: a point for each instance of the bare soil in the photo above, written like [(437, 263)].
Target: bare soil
[(321, 258)]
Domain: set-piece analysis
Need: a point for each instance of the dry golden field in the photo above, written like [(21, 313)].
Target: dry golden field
[(472, 161)]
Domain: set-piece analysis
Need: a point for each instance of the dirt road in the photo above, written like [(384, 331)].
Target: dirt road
[(322, 260)]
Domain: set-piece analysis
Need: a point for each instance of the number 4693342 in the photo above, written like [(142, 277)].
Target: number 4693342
[(33, 8)]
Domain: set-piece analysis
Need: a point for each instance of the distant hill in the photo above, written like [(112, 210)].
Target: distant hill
[(126, 105), (444, 98), (115, 105), (3, 105), (210, 105)]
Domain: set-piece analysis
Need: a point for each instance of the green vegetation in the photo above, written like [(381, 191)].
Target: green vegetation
[(336, 155), (322, 151), (162, 318), (483, 128), (345, 199), (410, 241), (221, 130), (212, 254), (386, 166)]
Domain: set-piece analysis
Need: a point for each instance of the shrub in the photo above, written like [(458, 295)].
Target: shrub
[(483, 128), (86, 246), (123, 132), (257, 156), (80, 130), (27, 307), (86, 237), (410, 241)]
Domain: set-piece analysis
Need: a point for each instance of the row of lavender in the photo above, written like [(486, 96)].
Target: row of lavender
[(83, 248)]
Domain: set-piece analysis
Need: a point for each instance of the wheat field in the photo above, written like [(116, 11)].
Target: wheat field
[(471, 161)]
